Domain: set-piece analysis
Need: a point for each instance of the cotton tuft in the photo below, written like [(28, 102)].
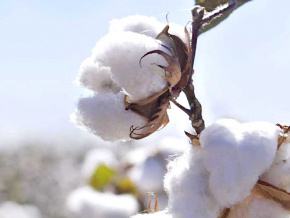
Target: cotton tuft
[(122, 51), (236, 155), (105, 116), (279, 174), (88, 203), (149, 26), (96, 77), (186, 183), (11, 209)]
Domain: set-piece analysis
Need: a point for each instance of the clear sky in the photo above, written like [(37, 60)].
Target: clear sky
[(242, 66)]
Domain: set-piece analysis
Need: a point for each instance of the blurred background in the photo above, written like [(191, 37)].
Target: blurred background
[(51, 169)]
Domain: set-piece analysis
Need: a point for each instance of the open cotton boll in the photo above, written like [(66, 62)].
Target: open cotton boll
[(122, 52), (259, 208), (97, 157), (105, 116), (186, 183), (236, 155), (160, 214), (13, 210), (279, 174), (138, 24), (149, 26), (88, 203), (96, 77)]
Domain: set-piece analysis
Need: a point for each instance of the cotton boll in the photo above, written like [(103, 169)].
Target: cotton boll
[(236, 155), (105, 116), (87, 203), (122, 52), (96, 77), (160, 214), (96, 157), (279, 174), (259, 208), (13, 210), (146, 25), (138, 24), (187, 186)]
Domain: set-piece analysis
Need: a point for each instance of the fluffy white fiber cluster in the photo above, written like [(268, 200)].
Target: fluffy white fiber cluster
[(113, 69), (88, 203), (11, 209), (224, 169)]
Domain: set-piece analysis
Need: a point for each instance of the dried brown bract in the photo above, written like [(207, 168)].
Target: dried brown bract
[(177, 74)]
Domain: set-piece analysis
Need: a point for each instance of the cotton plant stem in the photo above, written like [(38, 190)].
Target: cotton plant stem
[(195, 106), (198, 20)]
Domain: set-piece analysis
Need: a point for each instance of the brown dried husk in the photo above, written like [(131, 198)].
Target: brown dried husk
[(177, 74)]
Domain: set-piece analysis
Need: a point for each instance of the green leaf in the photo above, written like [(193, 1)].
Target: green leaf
[(126, 185), (210, 5), (102, 176)]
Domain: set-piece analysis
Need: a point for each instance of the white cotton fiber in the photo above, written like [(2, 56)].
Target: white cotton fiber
[(259, 208), (160, 214), (138, 24), (122, 51), (236, 155), (88, 203), (187, 186), (146, 25), (279, 174), (11, 209), (96, 77), (105, 116)]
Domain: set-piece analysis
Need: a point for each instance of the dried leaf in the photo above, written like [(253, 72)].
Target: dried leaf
[(269, 191), (194, 139), (183, 52), (284, 135), (156, 204), (149, 196), (158, 120), (178, 71), (172, 71), (224, 213), (149, 206), (146, 107), (164, 37), (177, 74)]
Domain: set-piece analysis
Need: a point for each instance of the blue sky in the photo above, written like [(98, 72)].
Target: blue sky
[(242, 66)]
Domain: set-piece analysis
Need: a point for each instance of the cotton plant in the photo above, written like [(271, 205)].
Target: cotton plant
[(231, 169), (132, 171)]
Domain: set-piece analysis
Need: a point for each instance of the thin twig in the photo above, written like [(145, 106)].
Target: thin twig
[(195, 106), (198, 20)]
